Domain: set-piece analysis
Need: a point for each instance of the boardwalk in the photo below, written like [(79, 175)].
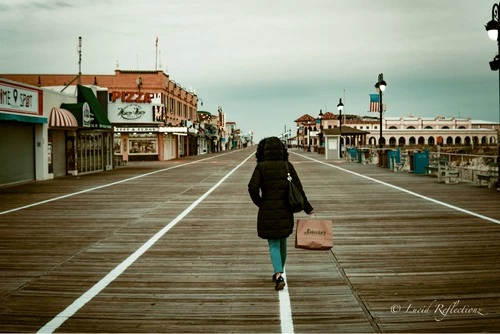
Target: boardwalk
[(172, 247)]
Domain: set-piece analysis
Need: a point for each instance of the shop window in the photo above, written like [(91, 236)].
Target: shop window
[(143, 144), (117, 143)]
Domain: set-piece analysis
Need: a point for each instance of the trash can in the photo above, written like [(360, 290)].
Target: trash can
[(393, 157), (382, 158), (352, 153), (410, 158), (359, 155), (366, 152), (420, 161)]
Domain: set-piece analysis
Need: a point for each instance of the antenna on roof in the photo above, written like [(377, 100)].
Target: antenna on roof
[(79, 50), (79, 59)]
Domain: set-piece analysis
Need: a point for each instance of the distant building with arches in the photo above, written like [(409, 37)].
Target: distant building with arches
[(403, 131)]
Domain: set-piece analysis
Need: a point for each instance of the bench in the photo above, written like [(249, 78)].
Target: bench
[(444, 172), (397, 166), (431, 169), (450, 176), (490, 176)]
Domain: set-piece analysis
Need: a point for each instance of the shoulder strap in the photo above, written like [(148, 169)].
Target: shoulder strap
[(289, 177)]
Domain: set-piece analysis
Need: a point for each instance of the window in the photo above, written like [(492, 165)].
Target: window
[(172, 106), (117, 143), (142, 144)]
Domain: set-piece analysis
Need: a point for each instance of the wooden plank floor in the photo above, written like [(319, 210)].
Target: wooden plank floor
[(401, 263)]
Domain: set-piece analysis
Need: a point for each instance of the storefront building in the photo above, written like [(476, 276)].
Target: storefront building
[(138, 103), (62, 129), (46, 133), (91, 149), (22, 129)]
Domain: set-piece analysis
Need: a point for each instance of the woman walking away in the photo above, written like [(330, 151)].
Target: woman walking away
[(268, 190)]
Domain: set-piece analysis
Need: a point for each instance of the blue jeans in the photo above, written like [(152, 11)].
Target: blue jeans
[(277, 250)]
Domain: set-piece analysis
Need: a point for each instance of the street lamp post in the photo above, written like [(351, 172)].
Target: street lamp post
[(492, 28), (380, 85), (320, 116), (308, 136), (340, 106), (297, 138)]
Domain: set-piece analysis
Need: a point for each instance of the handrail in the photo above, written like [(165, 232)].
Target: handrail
[(468, 165)]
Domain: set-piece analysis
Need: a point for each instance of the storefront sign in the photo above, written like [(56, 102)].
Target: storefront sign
[(18, 99), (172, 129), (145, 129), (86, 115), (135, 107), (132, 97), (131, 112)]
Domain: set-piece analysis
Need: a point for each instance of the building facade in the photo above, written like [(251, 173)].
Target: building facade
[(439, 130), (23, 131), (400, 131), (57, 125), (46, 134), (152, 115)]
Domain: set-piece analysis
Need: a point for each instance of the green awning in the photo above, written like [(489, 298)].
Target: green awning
[(77, 110), (86, 94), (22, 118)]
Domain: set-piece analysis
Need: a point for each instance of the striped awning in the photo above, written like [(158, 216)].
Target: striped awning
[(62, 118)]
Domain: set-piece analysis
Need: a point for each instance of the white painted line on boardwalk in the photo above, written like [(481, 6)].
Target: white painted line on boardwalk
[(453, 207), (285, 310), (105, 185), (59, 319)]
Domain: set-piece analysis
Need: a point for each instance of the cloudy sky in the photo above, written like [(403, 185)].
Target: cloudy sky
[(267, 62)]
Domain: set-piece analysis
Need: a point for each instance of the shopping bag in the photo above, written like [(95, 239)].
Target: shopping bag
[(314, 234)]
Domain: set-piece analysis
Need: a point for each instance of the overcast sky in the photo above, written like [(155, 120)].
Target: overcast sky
[(267, 62)]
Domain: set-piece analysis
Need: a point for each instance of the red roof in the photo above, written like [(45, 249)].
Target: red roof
[(304, 118), (329, 115)]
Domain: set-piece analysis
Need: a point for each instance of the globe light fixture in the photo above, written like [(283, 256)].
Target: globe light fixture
[(492, 28)]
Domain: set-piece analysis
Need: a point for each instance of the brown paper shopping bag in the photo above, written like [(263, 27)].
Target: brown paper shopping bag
[(314, 234)]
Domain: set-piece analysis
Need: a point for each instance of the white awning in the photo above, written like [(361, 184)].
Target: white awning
[(62, 118)]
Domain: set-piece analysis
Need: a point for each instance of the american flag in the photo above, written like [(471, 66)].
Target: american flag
[(374, 103)]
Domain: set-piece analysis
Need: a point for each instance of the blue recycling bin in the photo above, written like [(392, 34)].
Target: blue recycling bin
[(393, 157), (352, 153), (420, 161)]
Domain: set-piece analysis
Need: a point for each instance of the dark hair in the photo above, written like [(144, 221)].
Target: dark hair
[(261, 149)]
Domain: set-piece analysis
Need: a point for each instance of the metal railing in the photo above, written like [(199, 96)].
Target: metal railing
[(469, 166)]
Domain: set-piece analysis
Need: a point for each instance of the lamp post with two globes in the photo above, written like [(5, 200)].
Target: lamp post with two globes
[(340, 107), (492, 28)]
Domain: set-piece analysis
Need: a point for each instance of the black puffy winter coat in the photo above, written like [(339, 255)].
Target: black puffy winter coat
[(268, 190)]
